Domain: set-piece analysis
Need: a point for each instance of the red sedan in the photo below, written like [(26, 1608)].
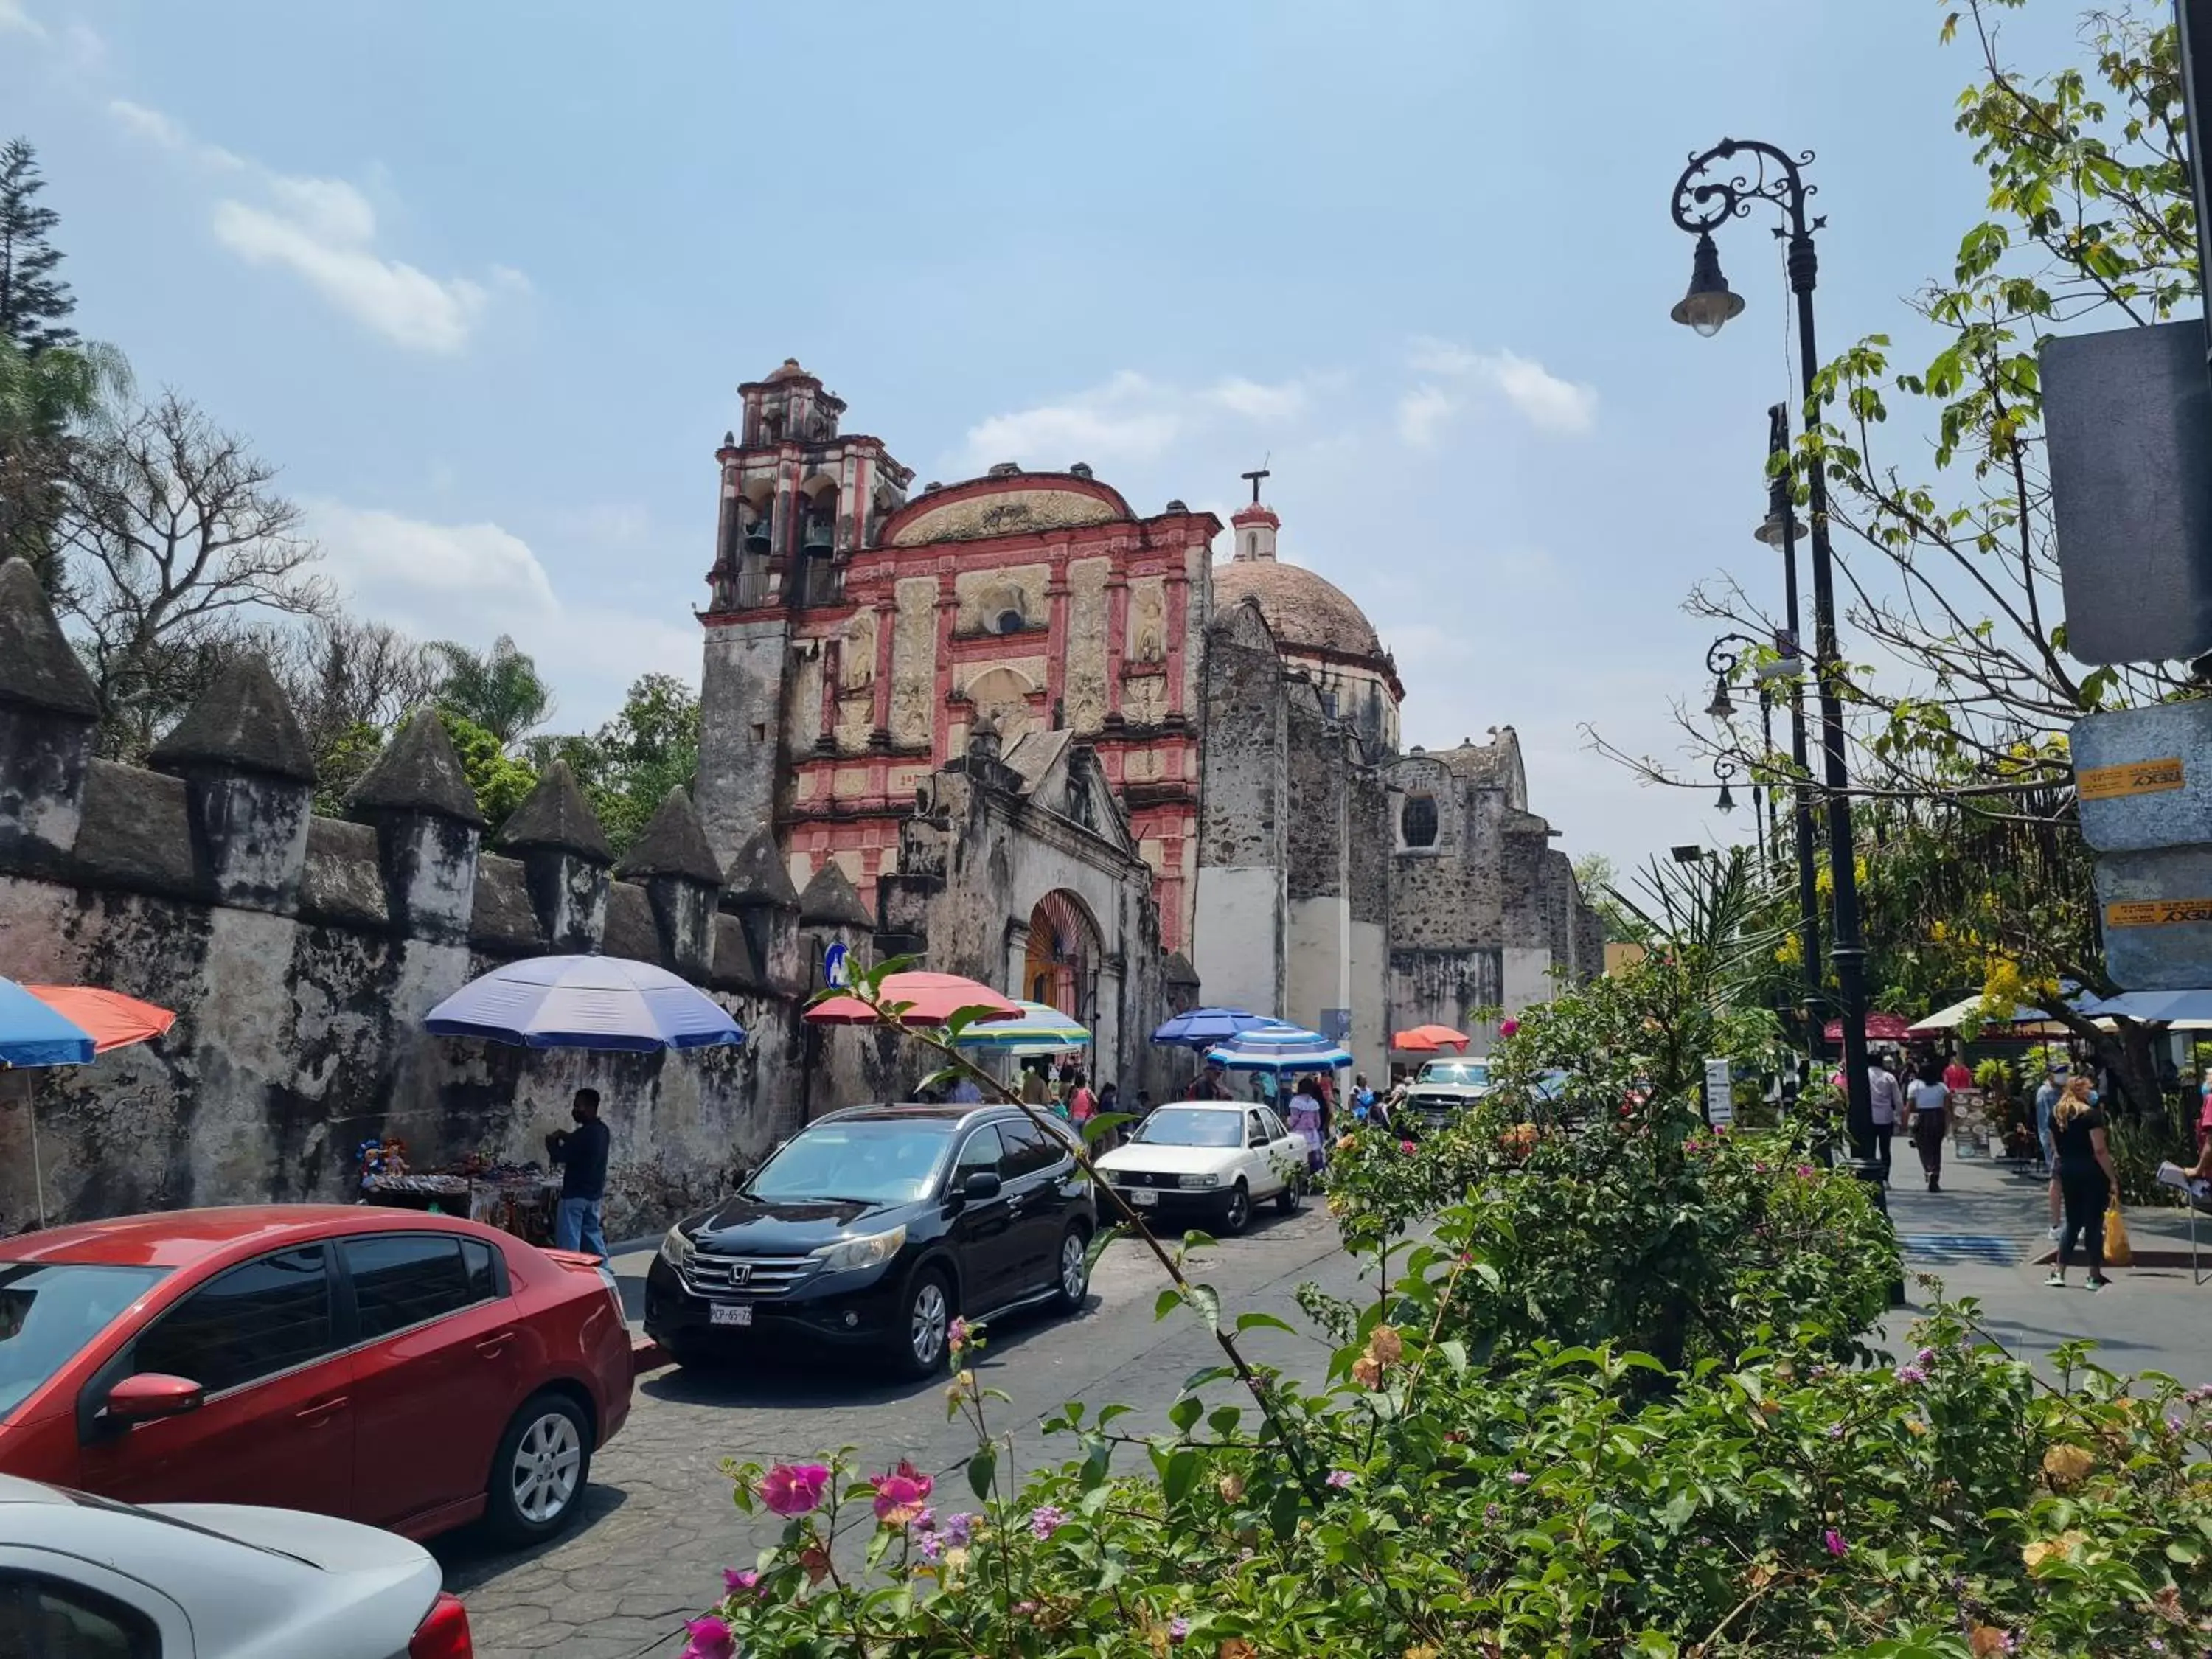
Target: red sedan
[(412, 1371)]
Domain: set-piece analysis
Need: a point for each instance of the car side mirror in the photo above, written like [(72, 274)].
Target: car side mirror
[(983, 1183), (150, 1394)]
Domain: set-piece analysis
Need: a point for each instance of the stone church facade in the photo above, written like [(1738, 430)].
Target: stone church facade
[(1049, 742)]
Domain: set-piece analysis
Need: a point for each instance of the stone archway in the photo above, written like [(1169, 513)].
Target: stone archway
[(1060, 964)]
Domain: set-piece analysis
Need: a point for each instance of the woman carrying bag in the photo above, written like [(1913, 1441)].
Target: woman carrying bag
[(2087, 1184)]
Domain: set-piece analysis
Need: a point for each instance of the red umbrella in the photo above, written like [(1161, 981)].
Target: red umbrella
[(934, 998), (110, 1019), (1880, 1028), (1428, 1039)]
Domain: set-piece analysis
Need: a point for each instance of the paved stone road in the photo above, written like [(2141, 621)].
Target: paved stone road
[(660, 1527)]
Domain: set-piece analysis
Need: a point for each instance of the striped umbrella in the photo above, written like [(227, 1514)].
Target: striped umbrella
[(1277, 1048), (1040, 1028)]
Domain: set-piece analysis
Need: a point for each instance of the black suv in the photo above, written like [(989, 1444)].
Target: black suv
[(873, 1227)]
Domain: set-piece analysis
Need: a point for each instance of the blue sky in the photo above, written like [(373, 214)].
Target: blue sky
[(482, 279)]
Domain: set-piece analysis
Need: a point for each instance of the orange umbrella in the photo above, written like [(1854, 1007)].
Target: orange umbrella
[(934, 999), (110, 1019), (1429, 1039)]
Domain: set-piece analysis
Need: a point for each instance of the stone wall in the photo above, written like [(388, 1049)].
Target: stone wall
[(300, 954)]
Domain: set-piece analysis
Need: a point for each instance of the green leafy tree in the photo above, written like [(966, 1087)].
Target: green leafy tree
[(499, 691), (34, 301), (499, 780), (1596, 875), (627, 767)]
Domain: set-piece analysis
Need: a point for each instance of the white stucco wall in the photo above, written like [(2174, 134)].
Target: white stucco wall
[(1237, 948), (1527, 976), (1318, 964), (1370, 1004)]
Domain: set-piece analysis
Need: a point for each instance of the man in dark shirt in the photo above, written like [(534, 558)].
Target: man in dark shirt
[(582, 1157)]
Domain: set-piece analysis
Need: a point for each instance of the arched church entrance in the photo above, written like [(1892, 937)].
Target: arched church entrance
[(1061, 966)]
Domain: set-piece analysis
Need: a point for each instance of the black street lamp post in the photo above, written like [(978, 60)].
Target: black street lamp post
[(1720, 185)]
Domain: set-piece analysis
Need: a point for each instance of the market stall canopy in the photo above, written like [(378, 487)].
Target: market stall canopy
[(1430, 1039), (1200, 1028), (930, 999), (109, 1018), (1958, 1013), (32, 1033), (1880, 1028), (1279, 1049), (584, 1002), (1041, 1030), (2183, 1008)]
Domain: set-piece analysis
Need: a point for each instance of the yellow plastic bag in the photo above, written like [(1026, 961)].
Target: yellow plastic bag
[(2118, 1253)]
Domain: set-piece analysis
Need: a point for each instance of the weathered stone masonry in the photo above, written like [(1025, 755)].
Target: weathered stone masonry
[(301, 953)]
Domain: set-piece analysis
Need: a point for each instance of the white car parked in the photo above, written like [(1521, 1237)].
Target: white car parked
[(84, 1577), (1218, 1157)]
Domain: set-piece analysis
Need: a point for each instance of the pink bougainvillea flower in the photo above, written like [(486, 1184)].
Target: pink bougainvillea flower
[(903, 1496), (710, 1639), (1832, 1542), (956, 1335), (1406, 1146), (1340, 1478), (741, 1581), (791, 1489), (1508, 1027), (1046, 1520)]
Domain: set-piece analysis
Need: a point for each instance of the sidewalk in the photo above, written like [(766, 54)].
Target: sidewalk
[(1984, 1236)]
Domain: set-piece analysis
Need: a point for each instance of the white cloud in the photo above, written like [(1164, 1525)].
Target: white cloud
[(1129, 417), (324, 231), (1422, 413), (14, 19), (473, 582), (1545, 400)]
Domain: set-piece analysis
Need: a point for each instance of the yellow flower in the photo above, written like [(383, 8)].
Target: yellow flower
[(2066, 1465)]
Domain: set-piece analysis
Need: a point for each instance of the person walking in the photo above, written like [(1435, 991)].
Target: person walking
[(1082, 1104), (582, 1158), (1033, 1090), (1888, 1103), (2047, 1103), (2087, 1179), (1928, 1102), (2204, 1114), (1956, 1076), (1302, 1116)]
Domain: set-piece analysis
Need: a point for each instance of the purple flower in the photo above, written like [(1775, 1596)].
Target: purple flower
[(1491, 1511), (1045, 1520), (1805, 1171), (1835, 1431), (957, 1528), (956, 1335), (930, 1548), (1925, 1357), (1832, 1542), (1910, 1374), (740, 1580), (710, 1639), (1340, 1478), (1178, 1627), (2173, 1422), (1520, 1477)]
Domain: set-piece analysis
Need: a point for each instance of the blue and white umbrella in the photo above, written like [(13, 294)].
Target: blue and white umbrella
[(584, 1002), (1279, 1049), (1201, 1027), (1040, 1028)]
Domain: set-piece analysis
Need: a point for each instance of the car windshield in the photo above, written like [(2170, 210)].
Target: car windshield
[(50, 1310), (1470, 1073), (866, 1160), (1191, 1125)]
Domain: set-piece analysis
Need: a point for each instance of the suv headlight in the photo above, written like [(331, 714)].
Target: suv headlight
[(1198, 1181), (870, 1252), (677, 1250)]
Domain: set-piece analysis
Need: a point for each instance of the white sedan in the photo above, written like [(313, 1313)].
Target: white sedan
[(84, 1577), (1220, 1157)]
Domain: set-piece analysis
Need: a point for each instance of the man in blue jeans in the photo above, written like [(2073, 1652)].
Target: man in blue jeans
[(582, 1157)]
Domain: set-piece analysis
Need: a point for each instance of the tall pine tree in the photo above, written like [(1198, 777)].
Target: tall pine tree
[(33, 299)]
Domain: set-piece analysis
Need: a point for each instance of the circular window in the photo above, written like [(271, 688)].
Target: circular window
[(1010, 622)]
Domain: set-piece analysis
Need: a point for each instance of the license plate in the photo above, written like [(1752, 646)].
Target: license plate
[(1142, 1197), (730, 1313)]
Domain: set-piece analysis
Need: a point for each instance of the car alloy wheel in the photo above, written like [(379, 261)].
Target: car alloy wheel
[(1239, 1211), (928, 1315), (1074, 1269), (547, 1461)]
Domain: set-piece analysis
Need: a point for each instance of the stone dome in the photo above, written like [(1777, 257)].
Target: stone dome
[(1301, 608)]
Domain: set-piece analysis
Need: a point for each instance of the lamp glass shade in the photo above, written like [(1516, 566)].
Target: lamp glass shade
[(1770, 529), (1727, 801), (1722, 707), (1710, 303)]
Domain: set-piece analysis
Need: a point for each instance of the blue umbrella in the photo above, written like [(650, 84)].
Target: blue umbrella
[(32, 1034), (1203, 1027), (1279, 1048), (584, 1002)]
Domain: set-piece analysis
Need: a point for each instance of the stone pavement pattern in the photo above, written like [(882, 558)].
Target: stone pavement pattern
[(659, 1525)]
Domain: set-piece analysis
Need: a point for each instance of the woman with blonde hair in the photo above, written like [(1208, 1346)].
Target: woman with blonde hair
[(2087, 1179)]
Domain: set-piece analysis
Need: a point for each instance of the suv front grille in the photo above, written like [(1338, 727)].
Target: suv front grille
[(746, 1275)]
